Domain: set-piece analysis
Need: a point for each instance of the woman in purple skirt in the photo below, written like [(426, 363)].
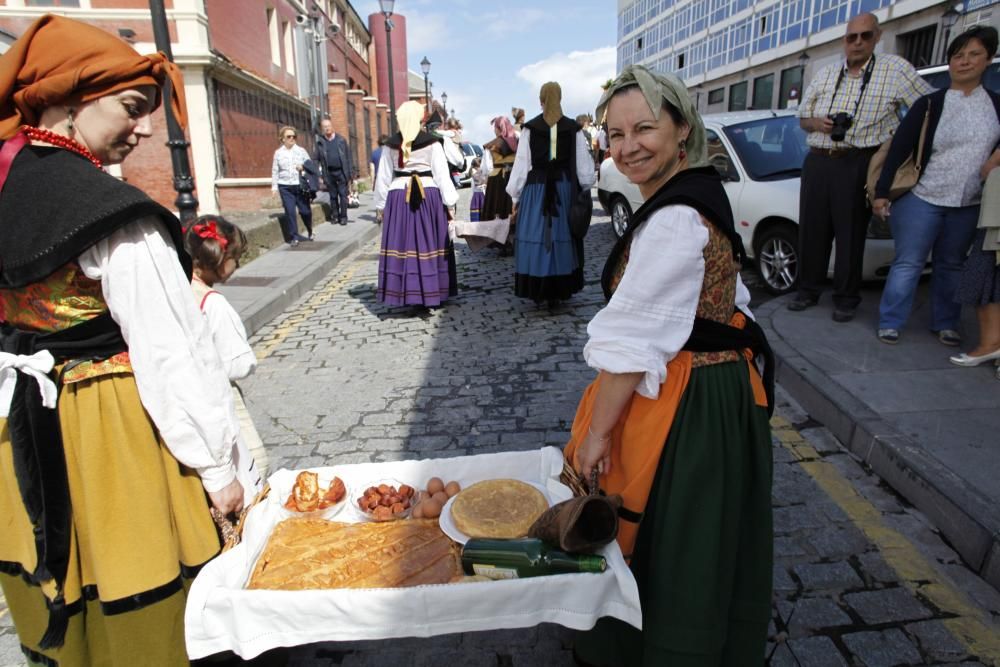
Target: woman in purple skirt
[(414, 193)]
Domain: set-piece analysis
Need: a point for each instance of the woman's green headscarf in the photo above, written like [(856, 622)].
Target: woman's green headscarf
[(656, 88)]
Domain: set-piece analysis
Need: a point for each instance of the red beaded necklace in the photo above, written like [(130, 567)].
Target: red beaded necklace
[(50, 137)]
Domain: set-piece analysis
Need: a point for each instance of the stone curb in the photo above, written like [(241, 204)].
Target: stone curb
[(961, 513)]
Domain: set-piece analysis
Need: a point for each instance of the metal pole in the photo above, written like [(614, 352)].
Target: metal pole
[(427, 95), (392, 87), (186, 202)]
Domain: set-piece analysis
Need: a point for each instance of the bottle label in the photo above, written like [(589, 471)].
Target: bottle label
[(494, 572)]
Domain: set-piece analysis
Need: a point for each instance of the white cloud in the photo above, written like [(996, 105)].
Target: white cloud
[(579, 73), (428, 33)]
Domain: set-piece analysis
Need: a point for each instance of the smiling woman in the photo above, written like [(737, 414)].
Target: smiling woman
[(96, 312)]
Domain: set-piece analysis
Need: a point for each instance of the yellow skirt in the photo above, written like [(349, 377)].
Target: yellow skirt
[(141, 528)]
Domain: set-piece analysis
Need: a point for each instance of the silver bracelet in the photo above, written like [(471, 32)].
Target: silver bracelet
[(601, 438)]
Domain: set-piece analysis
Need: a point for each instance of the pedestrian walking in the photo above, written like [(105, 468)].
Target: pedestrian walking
[(107, 452), (941, 211), (548, 260), (215, 246), (681, 435), (376, 156), (412, 192), (478, 190), (849, 110), (334, 158), (286, 175)]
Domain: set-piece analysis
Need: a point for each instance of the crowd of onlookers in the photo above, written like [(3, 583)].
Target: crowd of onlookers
[(929, 188)]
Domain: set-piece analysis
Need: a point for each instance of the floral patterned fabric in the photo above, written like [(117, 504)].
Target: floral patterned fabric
[(64, 299), (718, 292)]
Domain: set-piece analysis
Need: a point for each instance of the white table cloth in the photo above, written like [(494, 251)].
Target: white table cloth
[(222, 615)]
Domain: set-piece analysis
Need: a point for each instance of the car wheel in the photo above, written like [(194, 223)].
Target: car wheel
[(777, 251), (621, 213)]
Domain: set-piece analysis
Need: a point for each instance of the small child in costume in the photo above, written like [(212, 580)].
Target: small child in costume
[(215, 246), (478, 189)]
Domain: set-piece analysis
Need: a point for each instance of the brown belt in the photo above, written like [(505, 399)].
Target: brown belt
[(841, 152)]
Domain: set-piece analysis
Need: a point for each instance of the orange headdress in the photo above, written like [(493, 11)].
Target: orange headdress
[(59, 60)]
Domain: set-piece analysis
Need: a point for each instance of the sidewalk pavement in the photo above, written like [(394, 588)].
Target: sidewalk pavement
[(930, 429), (273, 281)]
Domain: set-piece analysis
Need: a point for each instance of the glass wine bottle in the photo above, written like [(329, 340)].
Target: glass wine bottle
[(525, 557)]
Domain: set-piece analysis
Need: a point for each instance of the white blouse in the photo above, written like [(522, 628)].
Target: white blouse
[(651, 313), (228, 332), (522, 165), (181, 382), (429, 158), (285, 167)]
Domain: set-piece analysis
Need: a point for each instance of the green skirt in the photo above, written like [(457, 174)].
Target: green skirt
[(703, 556)]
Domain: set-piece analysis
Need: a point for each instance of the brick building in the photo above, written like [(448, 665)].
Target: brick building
[(250, 67)]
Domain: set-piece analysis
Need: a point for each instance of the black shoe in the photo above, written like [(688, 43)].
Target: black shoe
[(843, 314), (801, 303), (343, 221)]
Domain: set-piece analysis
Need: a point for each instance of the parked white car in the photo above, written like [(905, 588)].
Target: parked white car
[(470, 151), (759, 155)]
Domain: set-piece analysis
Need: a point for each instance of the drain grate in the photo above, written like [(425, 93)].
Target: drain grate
[(250, 281)]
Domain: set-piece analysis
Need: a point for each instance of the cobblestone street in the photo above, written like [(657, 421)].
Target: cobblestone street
[(860, 578)]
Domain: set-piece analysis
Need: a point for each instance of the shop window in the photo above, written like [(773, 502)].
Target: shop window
[(763, 91), (716, 96), (738, 96)]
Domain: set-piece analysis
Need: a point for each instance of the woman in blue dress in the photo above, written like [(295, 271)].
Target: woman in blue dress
[(552, 165)]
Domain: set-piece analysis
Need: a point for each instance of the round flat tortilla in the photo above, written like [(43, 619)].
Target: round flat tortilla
[(498, 508)]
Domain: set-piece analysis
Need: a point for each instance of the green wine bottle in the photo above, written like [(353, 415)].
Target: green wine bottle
[(525, 557)]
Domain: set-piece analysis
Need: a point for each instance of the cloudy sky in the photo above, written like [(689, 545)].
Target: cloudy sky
[(491, 56)]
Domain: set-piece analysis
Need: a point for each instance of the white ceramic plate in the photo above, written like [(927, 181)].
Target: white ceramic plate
[(451, 530)]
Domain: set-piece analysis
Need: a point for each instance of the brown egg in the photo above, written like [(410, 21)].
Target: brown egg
[(451, 488), (441, 497), (431, 508), (434, 484), (418, 511)]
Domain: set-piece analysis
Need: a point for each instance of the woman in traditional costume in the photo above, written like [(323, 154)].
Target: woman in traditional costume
[(498, 160), (551, 165), (117, 416), (677, 419), (412, 189)]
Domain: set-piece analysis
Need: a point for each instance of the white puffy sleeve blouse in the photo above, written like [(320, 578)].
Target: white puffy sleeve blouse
[(180, 378), (651, 314)]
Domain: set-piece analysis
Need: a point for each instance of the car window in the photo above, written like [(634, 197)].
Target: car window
[(991, 78), (719, 157), (467, 149), (478, 149), (769, 148)]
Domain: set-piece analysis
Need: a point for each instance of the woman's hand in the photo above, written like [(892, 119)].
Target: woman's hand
[(880, 207), (593, 452), (991, 163), (229, 499)]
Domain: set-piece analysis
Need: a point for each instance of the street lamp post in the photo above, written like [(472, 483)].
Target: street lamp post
[(186, 203), (425, 67), (444, 104), (386, 6)]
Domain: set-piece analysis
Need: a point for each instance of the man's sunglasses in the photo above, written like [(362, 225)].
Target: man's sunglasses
[(290, 136), (866, 36)]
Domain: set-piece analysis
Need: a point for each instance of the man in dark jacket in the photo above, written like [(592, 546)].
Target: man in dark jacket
[(334, 160)]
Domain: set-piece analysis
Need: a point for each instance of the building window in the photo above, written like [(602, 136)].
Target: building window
[(917, 46), (716, 96), (286, 30), (248, 123), (680, 61), (52, 3), (275, 36), (791, 79), (638, 43), (738, 96), (763, 91)]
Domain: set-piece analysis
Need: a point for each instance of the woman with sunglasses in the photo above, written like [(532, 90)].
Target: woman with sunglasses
[(286, 170), (940, 213)]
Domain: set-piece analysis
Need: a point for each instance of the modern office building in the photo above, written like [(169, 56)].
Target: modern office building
[(741, 54)]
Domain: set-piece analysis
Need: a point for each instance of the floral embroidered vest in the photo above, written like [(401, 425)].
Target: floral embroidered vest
[(718, 289), (64, 299)]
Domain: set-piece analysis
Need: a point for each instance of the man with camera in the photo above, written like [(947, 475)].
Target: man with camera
[(849, 109)]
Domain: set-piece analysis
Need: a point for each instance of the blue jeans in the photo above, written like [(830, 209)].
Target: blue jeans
[(918, 227), (292, 198)]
